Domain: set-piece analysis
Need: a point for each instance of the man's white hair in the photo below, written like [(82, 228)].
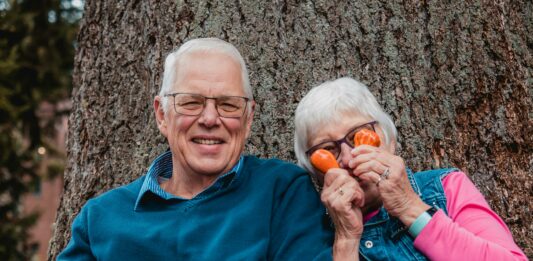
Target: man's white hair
[(326, 104), (200, 45)]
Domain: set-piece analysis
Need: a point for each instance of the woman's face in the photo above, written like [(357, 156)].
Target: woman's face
[(338, 130)]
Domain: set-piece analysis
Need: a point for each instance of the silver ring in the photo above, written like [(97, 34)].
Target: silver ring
[(379, 180), (386, 174), (341, 192)]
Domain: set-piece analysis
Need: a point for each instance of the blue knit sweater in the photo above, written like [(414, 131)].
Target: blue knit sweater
[(261, 210)]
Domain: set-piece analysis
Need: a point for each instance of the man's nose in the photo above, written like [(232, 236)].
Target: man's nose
[(344, 156), (209, 116)]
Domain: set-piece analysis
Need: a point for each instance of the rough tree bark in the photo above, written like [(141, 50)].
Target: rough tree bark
[(455, 75)]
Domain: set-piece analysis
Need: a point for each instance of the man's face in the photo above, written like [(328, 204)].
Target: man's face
[(207, 144)]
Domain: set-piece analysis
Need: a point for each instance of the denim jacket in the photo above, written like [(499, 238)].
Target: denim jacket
[(385, 237)]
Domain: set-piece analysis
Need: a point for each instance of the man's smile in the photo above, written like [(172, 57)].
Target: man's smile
[(205, 141)]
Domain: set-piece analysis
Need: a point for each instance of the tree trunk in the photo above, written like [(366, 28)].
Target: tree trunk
[(455, 75)]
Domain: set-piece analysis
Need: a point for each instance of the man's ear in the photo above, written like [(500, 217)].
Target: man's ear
[(160, 115), (250, 119)]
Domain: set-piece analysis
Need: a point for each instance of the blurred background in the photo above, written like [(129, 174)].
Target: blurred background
[(37, 43)]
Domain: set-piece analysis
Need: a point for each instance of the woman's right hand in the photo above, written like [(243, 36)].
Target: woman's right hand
[(343, 197)]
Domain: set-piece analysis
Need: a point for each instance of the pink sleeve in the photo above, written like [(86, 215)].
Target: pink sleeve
[(471, 232)]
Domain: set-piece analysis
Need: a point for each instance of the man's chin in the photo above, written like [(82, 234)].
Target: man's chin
[(209, 171), (208, 150)]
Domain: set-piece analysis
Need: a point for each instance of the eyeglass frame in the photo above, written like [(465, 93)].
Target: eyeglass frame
[(338, 143), (173, 95)]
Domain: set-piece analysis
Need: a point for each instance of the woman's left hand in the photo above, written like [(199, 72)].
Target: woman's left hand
[(388, 172)]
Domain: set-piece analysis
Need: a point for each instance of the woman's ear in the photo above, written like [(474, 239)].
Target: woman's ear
[(391, 147), (160, 115)]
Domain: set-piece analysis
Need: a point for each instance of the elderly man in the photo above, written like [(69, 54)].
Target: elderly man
[(204, 200)]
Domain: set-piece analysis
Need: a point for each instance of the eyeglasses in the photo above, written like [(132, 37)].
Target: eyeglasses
[(335, 146), (194, 104)]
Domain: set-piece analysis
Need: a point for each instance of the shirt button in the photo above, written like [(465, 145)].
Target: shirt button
[(369, 244)]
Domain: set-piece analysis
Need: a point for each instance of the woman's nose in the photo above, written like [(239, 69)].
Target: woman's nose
[(345, 156)]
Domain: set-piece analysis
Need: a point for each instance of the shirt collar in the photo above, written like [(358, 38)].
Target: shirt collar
[(161, 167)]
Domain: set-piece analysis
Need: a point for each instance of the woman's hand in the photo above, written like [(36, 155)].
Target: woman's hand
[(343, 197), (399, 199)]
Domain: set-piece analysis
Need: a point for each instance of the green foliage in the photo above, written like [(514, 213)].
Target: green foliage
[(36, 59)]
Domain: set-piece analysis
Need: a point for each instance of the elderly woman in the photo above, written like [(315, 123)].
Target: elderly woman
[(380, 208)]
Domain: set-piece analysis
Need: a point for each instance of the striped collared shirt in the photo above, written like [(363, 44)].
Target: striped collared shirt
[(161, 169)]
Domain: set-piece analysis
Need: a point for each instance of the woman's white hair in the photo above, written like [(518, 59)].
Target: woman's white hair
[(200, 45), (326, 104)]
